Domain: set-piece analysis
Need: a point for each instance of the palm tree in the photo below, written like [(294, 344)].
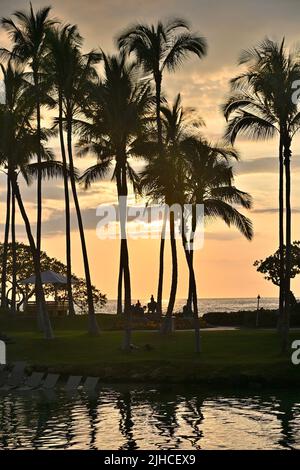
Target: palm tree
[(59, 41), (18, 145), (162, 180), (28, 31), (70, 75), (14, 253), (5, 245), (260, 107), (208, 181), (157, 48), (115, 120)]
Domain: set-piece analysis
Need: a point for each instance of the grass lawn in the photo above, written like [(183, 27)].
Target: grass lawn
[(240, 357)]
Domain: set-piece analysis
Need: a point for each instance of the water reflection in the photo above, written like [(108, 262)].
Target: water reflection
[(129, 418)]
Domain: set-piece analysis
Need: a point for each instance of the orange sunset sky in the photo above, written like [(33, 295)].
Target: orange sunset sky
[(224, 266)]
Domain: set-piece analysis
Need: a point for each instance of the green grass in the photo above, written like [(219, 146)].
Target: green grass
[(229, 357)]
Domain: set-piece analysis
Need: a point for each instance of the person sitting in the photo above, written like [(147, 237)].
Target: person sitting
[(152, 305), (138, 308)]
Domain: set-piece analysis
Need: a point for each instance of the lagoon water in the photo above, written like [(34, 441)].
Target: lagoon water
[(155, 418)]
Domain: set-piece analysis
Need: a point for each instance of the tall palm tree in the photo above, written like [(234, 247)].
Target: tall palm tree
[(157, 48), (14, 253), (27, 31), (260, 107), (5, 244), (161, 179), (18, 145), (71, 74), (208, 181), (115, 120), (59, 42)]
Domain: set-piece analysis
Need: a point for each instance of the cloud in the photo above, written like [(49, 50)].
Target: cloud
[(263, 165), (273, 210), (222, 236)]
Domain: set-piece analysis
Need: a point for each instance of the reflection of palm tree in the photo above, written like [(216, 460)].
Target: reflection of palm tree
[(157, 48), (165, 414), (261, 105), (124, 405), (285, 414), (92, 409), (194, 418), (117, 115)]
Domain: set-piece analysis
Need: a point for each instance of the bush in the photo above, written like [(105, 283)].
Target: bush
[(266, 318)]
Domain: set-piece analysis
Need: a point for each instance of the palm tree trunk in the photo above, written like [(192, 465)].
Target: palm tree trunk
[(93, 325), (158, 80), (281, 236), (124, 258), (161, 264), (189, 255), (120, 286), (167, 324), (286, 322), (190, 290), (14, 254), (39, 189), (67, 212), (38, 284), (39, 160), (5, 246)]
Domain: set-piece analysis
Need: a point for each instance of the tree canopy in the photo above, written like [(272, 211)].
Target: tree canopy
[(25, 268), (270, 266)]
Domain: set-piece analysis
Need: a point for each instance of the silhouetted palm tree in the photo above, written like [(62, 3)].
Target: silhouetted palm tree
[(261, 105), (59, 42), (116, 117), (157, 48), (162, 178), (71, 74), (5, 245), (18, 145), (27, 31), (208, 181)]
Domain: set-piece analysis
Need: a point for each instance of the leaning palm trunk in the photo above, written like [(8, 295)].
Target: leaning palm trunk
[(193, 297), (161, 264), (39, 175), (281, 238), (67, 212), (167, 323), (190, 291), (38, 281), (286, 322), (39, 191), (14, 254), (120, 287), (158, 80), (124, 257), (93, 325), (5, 246)]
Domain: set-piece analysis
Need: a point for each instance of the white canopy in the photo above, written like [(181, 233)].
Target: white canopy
[(48, 277)]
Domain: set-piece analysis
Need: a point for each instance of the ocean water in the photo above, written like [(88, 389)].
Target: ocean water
[(209, 305)]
